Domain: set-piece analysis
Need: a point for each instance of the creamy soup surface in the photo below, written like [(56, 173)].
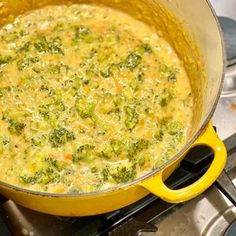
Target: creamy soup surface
[(90, 98)]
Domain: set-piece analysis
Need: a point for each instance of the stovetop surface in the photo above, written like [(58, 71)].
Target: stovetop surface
[(208, 215)]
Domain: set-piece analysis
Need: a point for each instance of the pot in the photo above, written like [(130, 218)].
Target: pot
[(193, 31)]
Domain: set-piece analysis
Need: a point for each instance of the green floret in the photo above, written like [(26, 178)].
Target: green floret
[(170, 72), (114, 148), (142, 161), (51, 45), (26, 62), (117, 146), (132, 117), (54, 69), (39, 140), (175, 128), (106, 72), (83, 152), (131, 61), (16, 127), (85, 108), (124, 174), (145, 48), (44, 110), (52, 110), (25, 47), (61, 136), (105, 173), (30, 179), (83, 33), (159, 135), (140, 77), (4, 91), (107, 152), (47, 176), (135, 146), (4, 59), (165, 98), (57, 165)]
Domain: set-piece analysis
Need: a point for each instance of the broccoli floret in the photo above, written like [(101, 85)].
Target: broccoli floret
[(169, 72), (4, 59), (124, 174), (105, 173), (52, 45), (83, 33), (54, 69), (25, 62), (4, 91), (79, 80), (57, 165), (39, 141), (145, 48), (85, 108), (141, 161), (159, 135), (165, 98), (30, 179), (109, 107), (132, 117), (117, 146), (47, 176), (107, 152), (51, 110), (5, 141), (107, 72), (135, 146), (58, 107), (25, 47), (117, 100), (16, 127), (131, 61), (61, 136), (140, 78), (44, 110), (83, 152), (174, 128), (94, 170)]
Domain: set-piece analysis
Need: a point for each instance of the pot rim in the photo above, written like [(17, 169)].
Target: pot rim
[(154, 172)]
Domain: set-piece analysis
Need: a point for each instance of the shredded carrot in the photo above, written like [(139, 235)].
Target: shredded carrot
[(68, 156), (119, 87)]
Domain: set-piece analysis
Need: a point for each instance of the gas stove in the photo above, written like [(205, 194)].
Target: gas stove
[(211, 214)]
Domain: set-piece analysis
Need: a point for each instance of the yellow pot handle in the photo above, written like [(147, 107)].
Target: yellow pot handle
[(156, 185)]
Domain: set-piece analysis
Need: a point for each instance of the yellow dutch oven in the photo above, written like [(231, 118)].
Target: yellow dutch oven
[(192, 29)]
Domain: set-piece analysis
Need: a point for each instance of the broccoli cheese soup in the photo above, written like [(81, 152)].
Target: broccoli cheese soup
[(90, 98)]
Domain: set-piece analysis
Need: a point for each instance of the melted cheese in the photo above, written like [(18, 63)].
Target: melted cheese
[(89, 98)]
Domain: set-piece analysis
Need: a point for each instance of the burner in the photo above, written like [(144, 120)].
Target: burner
[(228, 27), (221, 222), (231, 231), (226, 13)]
